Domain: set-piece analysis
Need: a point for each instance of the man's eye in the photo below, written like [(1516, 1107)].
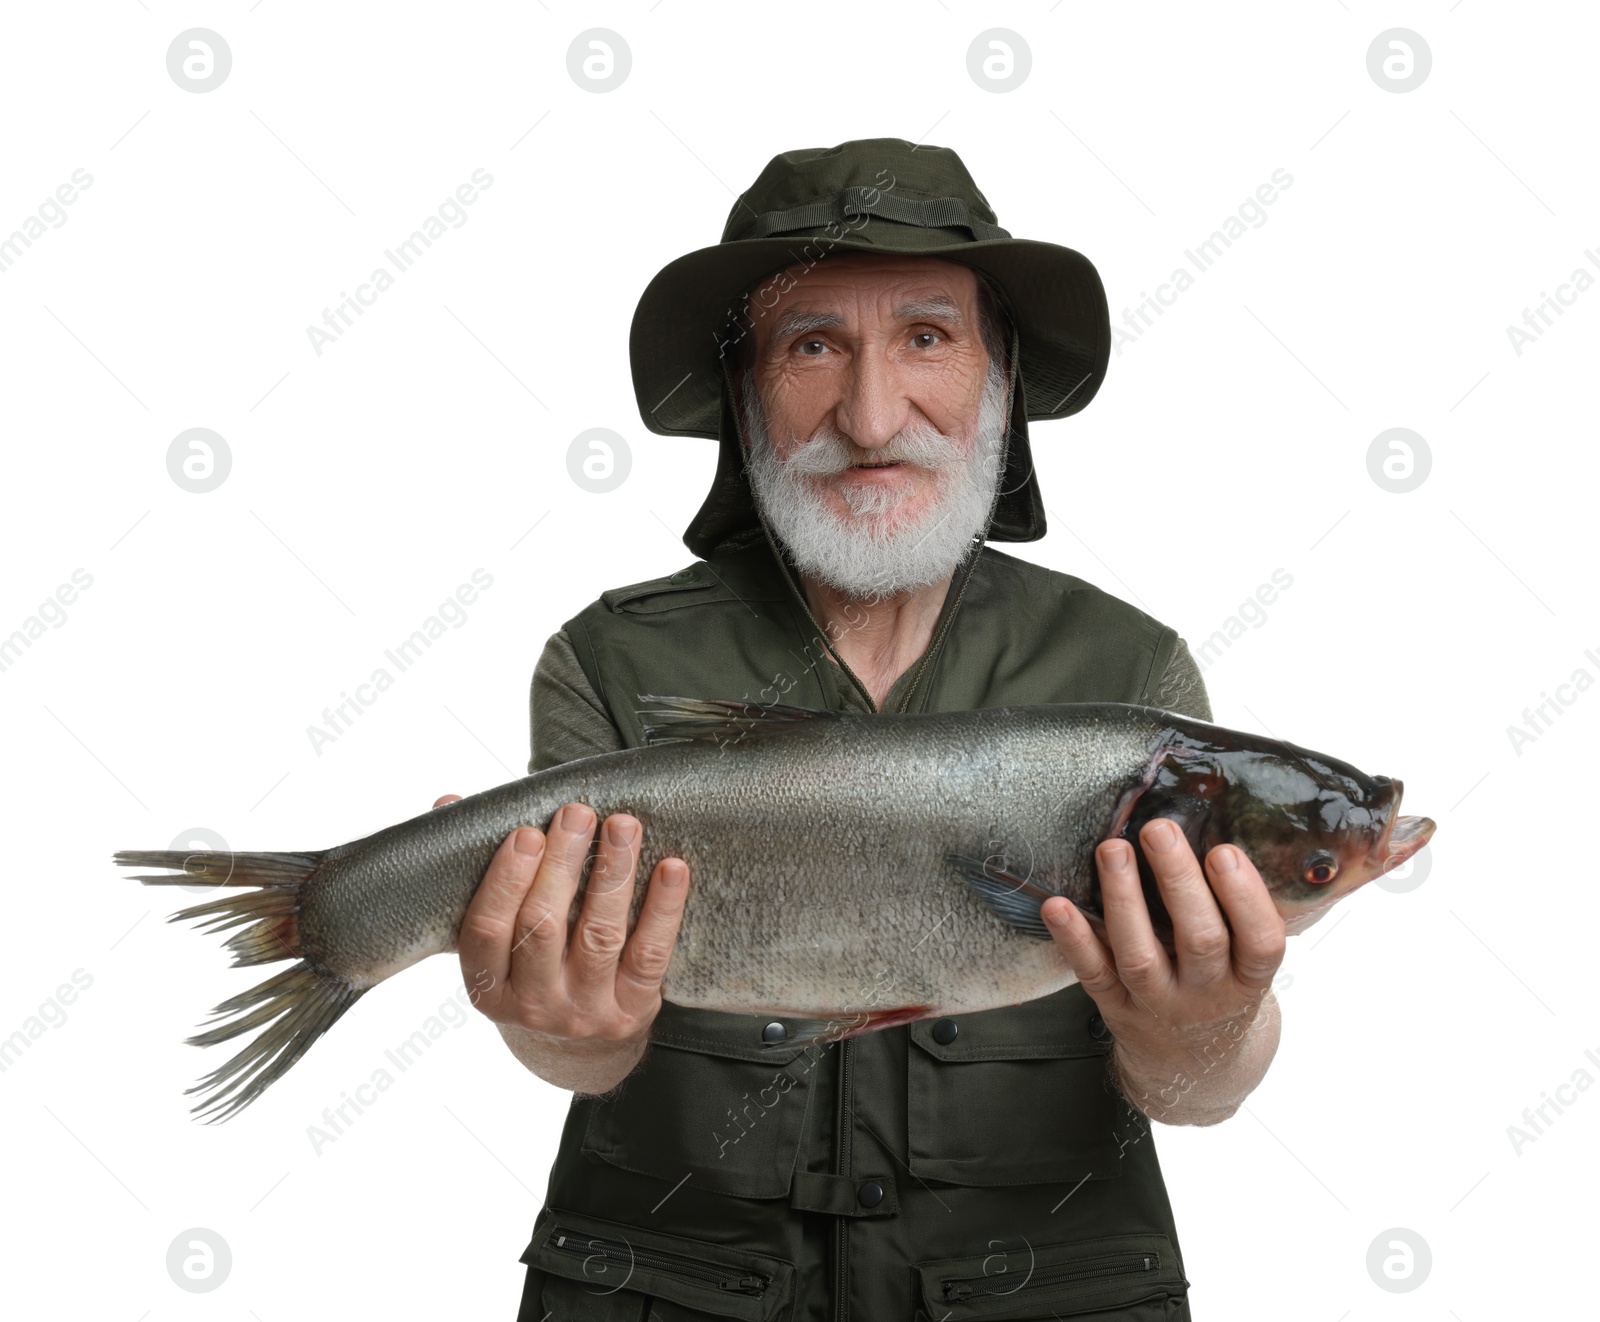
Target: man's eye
[(923, 339), (811, 348)]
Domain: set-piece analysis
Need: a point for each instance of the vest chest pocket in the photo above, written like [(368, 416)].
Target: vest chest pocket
[(709, 1100), (1018, 1095)]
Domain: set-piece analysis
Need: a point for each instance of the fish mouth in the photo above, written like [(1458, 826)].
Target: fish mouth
[(1404, 839)]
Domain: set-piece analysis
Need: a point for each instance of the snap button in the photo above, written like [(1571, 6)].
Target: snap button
[(774, 1032), (684, 576), (1097, 1027), (870, 1194), (944, 1031)]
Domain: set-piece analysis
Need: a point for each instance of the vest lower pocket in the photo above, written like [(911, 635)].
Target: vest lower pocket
[(1129, 1278), (598, 1270), (709, 1101), (1015, 1096)]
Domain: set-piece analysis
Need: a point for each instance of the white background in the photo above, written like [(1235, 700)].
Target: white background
[(1229, 440)]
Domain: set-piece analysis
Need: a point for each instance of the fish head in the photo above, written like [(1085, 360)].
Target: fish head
[(1315, 828)]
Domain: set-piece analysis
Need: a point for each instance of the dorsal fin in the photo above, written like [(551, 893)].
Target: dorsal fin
[(719, 720)]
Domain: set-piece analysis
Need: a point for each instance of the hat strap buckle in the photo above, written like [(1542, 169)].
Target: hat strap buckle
[(840, 209)]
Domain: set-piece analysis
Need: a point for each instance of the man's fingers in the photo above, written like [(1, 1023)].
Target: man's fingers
[(649, 950), (1090, 959), (1258, 932), (486, 937), (539, 945), (1142, 961), (444, 799), (1199, 934), (602, 927)]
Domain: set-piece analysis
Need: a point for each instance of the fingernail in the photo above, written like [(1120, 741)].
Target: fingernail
[(619, 834), (1224, 859), (1114, 853), (529, 840), (1164, 835), (574, 817)]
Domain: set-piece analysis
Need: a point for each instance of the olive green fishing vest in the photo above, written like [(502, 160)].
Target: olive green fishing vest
[(977, 1167)]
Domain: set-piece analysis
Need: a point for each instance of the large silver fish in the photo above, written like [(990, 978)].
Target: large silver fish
[(864, 869)]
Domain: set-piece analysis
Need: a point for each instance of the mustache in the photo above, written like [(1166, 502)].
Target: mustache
[(921, 444)]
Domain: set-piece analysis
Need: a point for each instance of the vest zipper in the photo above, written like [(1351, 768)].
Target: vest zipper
[(844, 1109), (624, 1254), (948, 617), (944, 628), (845, 1129), (1119, 1264), (845, 1112)]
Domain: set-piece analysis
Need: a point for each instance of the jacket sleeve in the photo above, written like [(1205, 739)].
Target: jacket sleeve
[(1181, 689), (566, 717)]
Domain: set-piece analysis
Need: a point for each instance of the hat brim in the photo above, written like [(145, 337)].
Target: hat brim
[(695, 310)]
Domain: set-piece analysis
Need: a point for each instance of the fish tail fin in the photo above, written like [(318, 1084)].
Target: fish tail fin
[(305, 1001), (309, 1002), (272, 912)]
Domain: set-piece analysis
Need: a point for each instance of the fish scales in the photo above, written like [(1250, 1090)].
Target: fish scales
[(819, 882), (870, 867)]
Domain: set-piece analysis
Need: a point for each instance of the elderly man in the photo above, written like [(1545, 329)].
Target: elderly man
[(887, 345)]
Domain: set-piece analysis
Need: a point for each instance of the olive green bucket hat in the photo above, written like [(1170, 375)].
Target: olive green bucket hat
[(883, 195)]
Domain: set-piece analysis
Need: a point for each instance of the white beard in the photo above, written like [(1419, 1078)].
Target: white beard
[(878, 551)]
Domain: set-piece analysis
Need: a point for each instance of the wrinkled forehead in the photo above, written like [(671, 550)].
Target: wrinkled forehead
[(846, 287)]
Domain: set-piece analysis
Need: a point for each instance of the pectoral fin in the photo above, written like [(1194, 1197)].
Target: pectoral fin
[(1015, 899)]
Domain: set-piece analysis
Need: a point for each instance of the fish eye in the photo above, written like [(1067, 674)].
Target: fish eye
[(1321, 868)]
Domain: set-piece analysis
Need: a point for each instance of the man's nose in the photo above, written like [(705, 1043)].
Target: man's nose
[(873, 408)]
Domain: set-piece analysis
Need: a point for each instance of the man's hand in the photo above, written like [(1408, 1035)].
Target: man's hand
[(588, 998), (1189, 1046)]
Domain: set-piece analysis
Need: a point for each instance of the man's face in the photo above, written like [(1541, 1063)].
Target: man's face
[(877, 419)]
